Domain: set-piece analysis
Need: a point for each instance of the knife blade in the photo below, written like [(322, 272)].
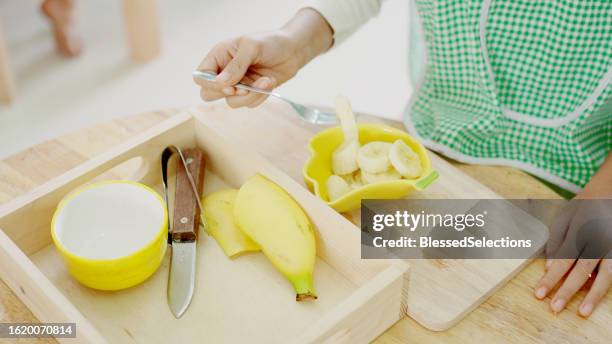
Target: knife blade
[(181, 282), (184, 233)]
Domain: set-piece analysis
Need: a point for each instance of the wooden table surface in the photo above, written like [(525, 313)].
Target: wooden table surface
[(511, 315)]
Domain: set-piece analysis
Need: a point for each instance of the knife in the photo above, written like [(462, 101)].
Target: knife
[(185, 224)]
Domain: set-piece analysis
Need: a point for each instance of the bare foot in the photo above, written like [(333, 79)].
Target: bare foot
[(61, 15)]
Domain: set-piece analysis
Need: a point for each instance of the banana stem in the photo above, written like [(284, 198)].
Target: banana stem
[(304, 288)]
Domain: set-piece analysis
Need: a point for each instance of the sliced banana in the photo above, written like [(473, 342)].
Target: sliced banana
[(370, 178), (357, 180), (374, 157), (347, 118), (353, 180), (405, 161), (344, 159), (336, 187)]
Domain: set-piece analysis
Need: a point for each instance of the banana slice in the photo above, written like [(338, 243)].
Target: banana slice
[(357, 180), (344, 159), (353, 180), (336, 187), (405, 161), (374, 157), (370, 178), (347, 118)]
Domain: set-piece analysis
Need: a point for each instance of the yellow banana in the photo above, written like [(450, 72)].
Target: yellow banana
[(273, 219)]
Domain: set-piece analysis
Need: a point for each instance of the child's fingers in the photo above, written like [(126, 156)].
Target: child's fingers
[(210, 94), (248, 79), (598, 290), (252, 99), (577, 277), (246, 100), (211, 63), (553, 275), (214, 87), (559, 228), (212, 90), (235, 70), (216, 59), (267, 85), (258, 102)]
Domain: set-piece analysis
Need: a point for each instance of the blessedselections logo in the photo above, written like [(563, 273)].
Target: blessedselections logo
[(437, 228)]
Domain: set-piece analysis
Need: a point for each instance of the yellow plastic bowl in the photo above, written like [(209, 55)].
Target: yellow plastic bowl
[(112, 235), (318, 167)]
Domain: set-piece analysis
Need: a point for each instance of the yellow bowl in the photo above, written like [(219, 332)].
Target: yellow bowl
[(112, 235), (318, 168)]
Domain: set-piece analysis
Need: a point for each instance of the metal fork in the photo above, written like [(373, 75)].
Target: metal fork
[(309, 114)]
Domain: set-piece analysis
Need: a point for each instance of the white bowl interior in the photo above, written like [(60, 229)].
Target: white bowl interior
[(109, 220)]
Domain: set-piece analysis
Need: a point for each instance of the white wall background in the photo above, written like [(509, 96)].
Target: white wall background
[(56, 95)]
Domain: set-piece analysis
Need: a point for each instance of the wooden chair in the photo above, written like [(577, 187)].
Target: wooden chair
[(143, 37)]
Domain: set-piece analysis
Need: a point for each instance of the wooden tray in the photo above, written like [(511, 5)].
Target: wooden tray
[(236, 300), (440, 291)]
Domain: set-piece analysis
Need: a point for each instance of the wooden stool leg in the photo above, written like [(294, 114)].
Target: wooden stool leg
[(7, 84), (142, 24)]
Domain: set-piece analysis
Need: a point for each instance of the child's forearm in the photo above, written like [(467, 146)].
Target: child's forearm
[(311, 32), (600, 185)]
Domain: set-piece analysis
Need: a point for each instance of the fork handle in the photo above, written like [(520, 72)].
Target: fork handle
[(210, 76)]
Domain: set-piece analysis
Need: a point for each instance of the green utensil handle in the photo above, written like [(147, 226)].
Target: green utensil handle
[(425, 181)]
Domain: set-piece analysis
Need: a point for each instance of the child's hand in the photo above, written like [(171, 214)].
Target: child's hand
[(580, 237), (264, 60)]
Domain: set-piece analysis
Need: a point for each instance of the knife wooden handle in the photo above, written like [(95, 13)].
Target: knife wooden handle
[(186, 220)]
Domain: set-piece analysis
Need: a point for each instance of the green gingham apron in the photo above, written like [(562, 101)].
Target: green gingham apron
[(520, 83)]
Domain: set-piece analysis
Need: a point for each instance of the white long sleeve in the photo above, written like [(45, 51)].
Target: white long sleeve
[(345, 16)]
